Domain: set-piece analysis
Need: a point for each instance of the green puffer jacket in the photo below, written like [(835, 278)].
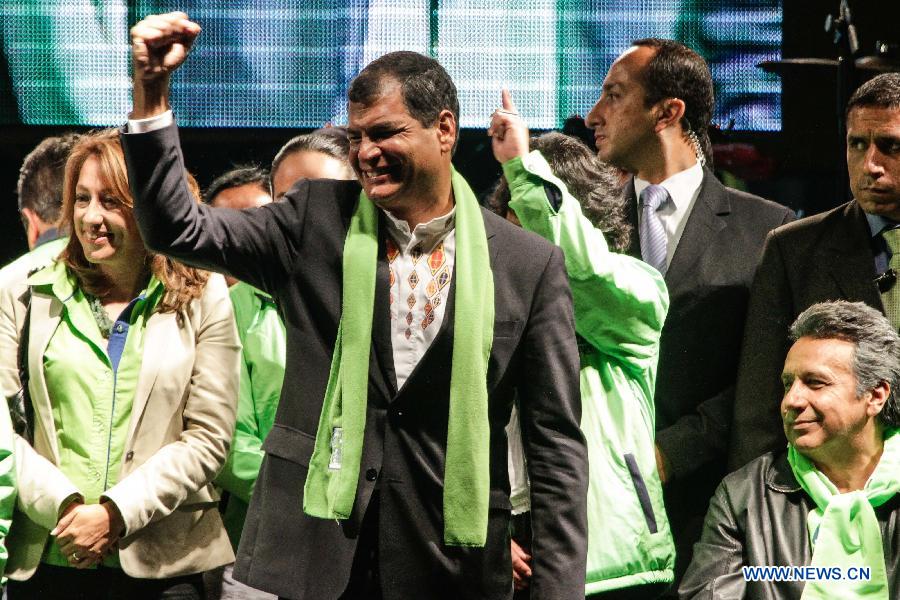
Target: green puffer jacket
[(620, 305)]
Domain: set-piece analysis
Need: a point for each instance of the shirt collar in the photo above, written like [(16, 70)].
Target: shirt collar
[(431, 230), (63, 283), (48, 236), (681, 186), (877, 224), (57, 277)]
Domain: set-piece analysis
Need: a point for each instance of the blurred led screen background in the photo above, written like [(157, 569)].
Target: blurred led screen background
[(280, 63)]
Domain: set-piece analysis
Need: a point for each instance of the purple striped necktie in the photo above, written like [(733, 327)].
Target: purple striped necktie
[(653, 235)]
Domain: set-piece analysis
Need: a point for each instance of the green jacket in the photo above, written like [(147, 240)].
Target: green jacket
[(620, 305), (7, 485), (262, 373)]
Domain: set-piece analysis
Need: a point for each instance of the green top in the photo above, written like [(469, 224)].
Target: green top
[(843, 527), (91, 383), (620, 306), (262, 373), (7, 486)]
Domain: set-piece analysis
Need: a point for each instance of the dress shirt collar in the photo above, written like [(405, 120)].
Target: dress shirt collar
[(682, 186), (880, 250), (424, 233), (48, 236), (877, 224)]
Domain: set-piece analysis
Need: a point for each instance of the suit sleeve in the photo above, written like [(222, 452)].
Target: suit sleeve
[(620, 301), (756, 426), (254, 245), (715, 570), (162, 483), (555, 448)]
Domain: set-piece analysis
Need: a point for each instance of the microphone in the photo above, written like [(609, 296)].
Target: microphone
[(886, 281)]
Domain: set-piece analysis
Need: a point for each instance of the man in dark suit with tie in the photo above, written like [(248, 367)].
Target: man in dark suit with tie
[(411, 323), (651, 120), (849, 253)]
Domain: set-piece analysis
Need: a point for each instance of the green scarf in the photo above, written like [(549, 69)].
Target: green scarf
[(330, 488), (844, 528)]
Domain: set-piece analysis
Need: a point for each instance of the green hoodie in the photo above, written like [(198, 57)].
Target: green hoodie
[(620, 306)]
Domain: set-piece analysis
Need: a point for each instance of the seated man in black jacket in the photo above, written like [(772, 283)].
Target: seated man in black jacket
[(824, 514)]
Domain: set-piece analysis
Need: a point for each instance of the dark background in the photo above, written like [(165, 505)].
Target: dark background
[(801, 166)]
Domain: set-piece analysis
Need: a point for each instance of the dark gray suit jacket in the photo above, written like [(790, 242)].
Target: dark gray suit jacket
[(709, 282), (824, 257), (293, 249)]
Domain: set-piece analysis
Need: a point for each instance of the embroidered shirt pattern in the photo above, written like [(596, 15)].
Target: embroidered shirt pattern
[(421, 268)]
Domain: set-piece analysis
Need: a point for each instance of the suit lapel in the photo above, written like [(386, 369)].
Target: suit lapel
[(46, 311), (849, 256), (705, 220), (634, 247), (161, 334), (382, 346)]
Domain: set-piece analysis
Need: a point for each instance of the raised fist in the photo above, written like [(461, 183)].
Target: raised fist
[(160, 43)]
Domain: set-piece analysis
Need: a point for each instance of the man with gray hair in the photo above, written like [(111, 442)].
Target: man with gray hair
[(851, 252), (829, 502)]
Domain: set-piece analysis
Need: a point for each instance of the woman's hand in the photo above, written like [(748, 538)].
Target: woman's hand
[(86, 532)]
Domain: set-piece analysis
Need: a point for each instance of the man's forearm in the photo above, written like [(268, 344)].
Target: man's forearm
[(151, 98)]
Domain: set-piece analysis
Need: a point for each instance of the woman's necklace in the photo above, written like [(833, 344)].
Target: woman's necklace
[(100, 316)]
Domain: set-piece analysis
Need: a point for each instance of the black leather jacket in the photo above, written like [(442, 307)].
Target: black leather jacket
[(758, 517)]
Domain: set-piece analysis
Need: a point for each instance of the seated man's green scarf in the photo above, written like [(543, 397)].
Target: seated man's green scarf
[(330, 488), (844, 528)]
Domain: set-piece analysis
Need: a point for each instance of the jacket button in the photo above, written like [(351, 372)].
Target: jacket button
[(129, 455), (371, 474)]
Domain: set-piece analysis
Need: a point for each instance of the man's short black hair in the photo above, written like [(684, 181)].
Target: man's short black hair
[(676, 71), (882, 91), (40, 185), (236, 177), (426, 87)]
